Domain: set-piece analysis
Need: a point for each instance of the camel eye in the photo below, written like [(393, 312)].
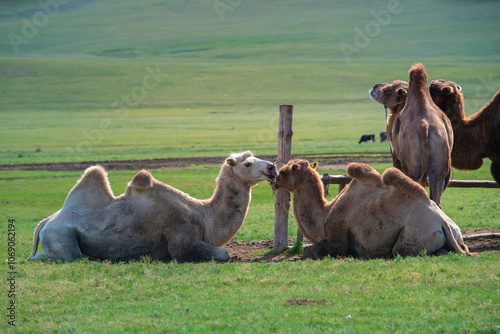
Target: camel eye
[(248, 164)]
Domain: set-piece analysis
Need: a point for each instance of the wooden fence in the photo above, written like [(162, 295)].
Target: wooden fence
[(342, 180)]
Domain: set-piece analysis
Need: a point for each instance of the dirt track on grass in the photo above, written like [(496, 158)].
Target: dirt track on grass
[(338, 160)]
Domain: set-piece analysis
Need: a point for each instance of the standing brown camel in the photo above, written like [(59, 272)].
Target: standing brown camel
[(476, 137), (422, 136)]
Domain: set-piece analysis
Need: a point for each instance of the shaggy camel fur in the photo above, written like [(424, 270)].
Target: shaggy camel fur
[(373, 217), (476, 137), (422, 136), (392, 96), (150, 218)]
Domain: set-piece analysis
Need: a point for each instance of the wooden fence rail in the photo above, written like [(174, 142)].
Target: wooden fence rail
[(342, 180)]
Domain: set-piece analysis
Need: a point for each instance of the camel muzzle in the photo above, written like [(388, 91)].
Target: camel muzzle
[(271, 172)]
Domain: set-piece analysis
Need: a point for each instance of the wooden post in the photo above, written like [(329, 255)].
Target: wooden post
[(282, 203)]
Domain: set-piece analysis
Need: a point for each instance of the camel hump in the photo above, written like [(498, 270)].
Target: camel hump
[(418, 85), (92, 190), (142, 180), (418, 76), (393, 177), (364, 173)]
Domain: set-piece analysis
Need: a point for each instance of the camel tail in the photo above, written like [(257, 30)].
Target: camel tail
[(425, 149), (36, 238), (453, 242), (418, 80)]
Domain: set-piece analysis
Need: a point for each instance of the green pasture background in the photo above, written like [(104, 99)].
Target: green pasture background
[(114, 80), (81, 89)]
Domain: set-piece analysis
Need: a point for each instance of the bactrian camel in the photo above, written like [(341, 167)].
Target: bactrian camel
[(475, 137), (373, 217), (151, 218), (422, 137)]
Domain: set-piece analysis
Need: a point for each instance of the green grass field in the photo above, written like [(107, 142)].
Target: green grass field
[(101, 80)]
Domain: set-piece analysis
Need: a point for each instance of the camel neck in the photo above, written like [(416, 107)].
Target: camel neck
[(229, 206), (310, 207), (490, 112), (478, 122), (396, 107)]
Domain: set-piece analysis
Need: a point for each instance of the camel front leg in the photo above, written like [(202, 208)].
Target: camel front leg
[(201, 252), (315, 252), (185, 246), (323, 248)]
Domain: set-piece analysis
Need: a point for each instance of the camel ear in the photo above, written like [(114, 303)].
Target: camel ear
[(295, 167), (401, 92), (314, 165), (231, 162), (459, 88), (448, 90)]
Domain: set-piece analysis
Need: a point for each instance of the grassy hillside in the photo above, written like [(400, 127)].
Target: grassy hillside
[(102, 80)]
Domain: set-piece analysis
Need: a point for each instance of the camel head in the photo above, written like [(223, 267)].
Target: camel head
[(293, 174), (448, 97), (390, 95), (250, 169)]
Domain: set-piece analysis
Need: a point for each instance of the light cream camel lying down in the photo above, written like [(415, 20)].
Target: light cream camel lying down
[(373, 217), (150, 218)]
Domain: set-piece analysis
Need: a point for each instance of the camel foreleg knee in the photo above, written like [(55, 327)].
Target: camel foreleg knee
[(322, 249), (201, 252), (315, 252)]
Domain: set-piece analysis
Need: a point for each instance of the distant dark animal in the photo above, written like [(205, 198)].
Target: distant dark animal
[(477, 136), (422, 136), (383, 136), (367, 137)]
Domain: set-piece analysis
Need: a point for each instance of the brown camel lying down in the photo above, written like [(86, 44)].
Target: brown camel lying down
[(422, 136), (476, 137), (151, 218), (373, 217)]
